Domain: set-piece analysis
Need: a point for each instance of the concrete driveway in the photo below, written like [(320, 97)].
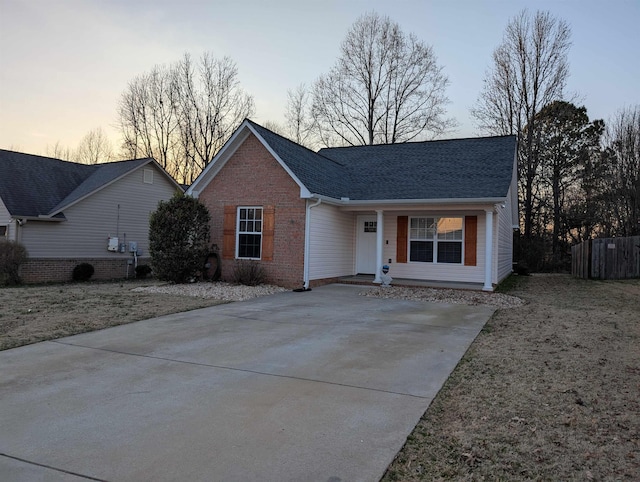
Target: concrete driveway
[(320, 386)]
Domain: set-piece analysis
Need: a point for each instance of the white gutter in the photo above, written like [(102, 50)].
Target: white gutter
[(395, 202), (307, 240)]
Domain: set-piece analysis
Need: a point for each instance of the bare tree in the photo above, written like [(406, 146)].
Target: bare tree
[(94, 148), (529, 71), (58, 151), (385, 87), (212, 105), (148, 116), (299, 121), (182, 114)]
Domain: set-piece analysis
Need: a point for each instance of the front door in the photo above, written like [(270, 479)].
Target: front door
[(366, 245)]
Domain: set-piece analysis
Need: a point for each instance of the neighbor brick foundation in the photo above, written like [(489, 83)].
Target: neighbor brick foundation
[(44, 270), (252, 177)]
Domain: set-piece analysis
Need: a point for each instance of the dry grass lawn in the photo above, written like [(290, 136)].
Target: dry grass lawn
[(31, 314), (548, 391)]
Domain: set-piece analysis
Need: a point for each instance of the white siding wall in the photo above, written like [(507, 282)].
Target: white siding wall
[(332, 242), (504, 241), (91, 221), (5, 220), (431, 271)]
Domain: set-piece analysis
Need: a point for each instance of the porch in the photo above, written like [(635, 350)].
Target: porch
[(368, 279)]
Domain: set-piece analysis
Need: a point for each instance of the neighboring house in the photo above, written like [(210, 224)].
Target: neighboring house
[(435, 211), (66, 213)]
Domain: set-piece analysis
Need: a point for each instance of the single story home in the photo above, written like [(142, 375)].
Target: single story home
[(436, 211), (66, 213)]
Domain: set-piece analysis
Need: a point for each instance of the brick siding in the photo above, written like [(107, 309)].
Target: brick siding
[(45, 270), (252, 177)]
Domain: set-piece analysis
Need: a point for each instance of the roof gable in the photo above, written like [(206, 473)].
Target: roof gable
[(37, 186), (457, 169)]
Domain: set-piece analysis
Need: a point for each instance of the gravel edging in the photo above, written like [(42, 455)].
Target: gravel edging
[(232, 292), (217, 290), (444, 295)]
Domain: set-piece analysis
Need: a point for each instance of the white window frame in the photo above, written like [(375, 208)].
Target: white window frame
[(435, 239), (239, 232)]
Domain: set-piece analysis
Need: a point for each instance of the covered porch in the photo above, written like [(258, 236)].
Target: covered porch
[(380, 241)]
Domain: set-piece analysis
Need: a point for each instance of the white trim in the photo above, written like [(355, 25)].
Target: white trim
[(379, 244), (238, 208), (435, 240), (227, 151), (488, 251), (307, 241), (346, 203), (304, 192)]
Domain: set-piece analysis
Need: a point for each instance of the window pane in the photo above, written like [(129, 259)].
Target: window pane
[(258, 213), (257, 226), (243, 226), (249, 246), (422, 228), (449, 252), (243, 213), (421, 251), (250, 213), (450, 228)]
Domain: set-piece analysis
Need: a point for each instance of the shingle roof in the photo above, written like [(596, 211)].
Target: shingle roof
[(448, 169), (473, 168), (318, 173), (100, 177), (40, 186)]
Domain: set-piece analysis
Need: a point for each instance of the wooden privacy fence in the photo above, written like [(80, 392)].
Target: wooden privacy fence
[(607, 258)]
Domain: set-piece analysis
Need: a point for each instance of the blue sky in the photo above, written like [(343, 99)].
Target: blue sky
[(64, 64)]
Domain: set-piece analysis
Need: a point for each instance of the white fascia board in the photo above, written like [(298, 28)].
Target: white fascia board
[(304, 192), (348, 203)]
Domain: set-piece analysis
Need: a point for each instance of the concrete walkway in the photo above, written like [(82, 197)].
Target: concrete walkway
[(319, 386)]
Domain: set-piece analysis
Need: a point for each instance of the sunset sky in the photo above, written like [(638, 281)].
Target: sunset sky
[(65, 63)]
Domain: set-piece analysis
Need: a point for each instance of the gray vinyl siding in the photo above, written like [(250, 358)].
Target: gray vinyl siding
[(332, 243), (92, 220)]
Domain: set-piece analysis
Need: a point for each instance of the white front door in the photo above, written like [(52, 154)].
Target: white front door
[(366, 245)]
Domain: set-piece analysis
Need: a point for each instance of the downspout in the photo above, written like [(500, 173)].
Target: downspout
[(307, 240)]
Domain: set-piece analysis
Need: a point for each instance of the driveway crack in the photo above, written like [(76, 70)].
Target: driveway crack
[(243, 370)]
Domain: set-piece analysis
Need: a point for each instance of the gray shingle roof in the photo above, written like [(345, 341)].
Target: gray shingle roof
[(473, 168), (448, 169), (318, 173), (39, 186)]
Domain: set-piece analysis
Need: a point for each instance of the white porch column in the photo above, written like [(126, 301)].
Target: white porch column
[(488, 251), (379, 244)]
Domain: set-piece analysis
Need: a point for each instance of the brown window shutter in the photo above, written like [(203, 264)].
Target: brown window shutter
[(470, 240), (268, 224), (229, 233), (401, 239)]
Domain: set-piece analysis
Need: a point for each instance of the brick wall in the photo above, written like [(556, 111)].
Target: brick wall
[(44, 270), (252, 177)]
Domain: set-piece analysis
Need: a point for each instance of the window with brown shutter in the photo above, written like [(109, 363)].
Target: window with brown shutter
[(470, 240), (267, 232), (401, 239), (229, 233)]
